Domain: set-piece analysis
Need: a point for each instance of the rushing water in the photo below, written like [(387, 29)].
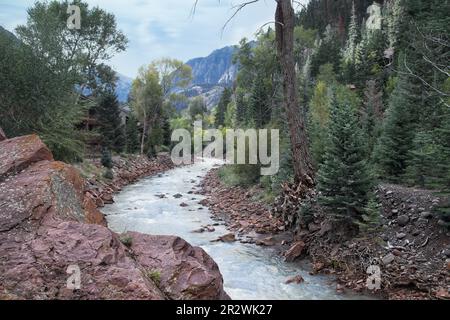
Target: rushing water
[(249, 271)]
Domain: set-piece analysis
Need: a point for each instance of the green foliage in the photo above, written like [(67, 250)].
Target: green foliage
[(132, 135), (76, 54), (240, 174), (106, 159), (197, 107), (344, 178), (372, 114), (241, 107), (319, 118), (173, 74), (259, 110), (371, 218), (147, 102), (34, 99), (328, 51), (225, 99), (110, 122), (392, 151), (108, 174), (126, 240), (422, 162), (155, 276)]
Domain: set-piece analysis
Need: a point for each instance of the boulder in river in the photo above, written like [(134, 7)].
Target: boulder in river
[(230, 237), (294, 251), (297, 280)]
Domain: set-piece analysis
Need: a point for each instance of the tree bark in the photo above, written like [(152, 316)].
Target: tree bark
[(285, 23)]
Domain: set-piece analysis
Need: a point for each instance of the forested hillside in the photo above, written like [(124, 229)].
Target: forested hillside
[(373, 80)]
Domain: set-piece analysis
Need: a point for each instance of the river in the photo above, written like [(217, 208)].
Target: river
[(250, 272)]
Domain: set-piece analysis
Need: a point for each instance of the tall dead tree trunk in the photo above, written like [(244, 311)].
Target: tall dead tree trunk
[(285, 23)]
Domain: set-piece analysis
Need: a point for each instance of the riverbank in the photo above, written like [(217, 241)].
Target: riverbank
[(126, 170), (411, 248)]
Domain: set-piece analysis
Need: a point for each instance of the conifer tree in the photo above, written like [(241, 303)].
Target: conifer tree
[(110, 123), (132, 135), (222, 107), (259, 107), (352, 41), (422, 162), (241, 109), (319, 118), (344, 178), (392, 151), (372, 113)]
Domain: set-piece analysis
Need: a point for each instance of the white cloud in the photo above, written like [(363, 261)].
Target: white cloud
[(158, 28)]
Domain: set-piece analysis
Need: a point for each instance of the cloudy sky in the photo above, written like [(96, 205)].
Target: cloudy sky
[(165, 28)]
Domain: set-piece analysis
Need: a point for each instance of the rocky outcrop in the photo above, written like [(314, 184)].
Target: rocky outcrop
[(19, 153), (184, 272), (49, 225)]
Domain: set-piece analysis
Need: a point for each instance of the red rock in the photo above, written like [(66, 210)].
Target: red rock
[(295, 251), (107, 198), (48, 223), (19, 153), (186, 272), (443, 293), (34, 261)]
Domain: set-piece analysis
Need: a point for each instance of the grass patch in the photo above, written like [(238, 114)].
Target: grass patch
[(154, 275), (126, 240)]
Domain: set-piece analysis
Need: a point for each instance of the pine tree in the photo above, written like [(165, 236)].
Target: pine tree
[(259, 107), (241, 109), (352, 41), (319, 118), (106, 158), (395, 15), (344, 178), (422, 162), (222, 107), (110, 122), (132, 134), (372, 113), (392, 150)]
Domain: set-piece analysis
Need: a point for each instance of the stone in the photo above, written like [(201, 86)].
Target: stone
[(19, 153), (186, 272), (443, 293), (403, 220), (426, 215), (268, 242), (400, 235), (297, 280), (178, 196), (388, 259), (184, 205), (294, 251), (230, 237), (108, 198)]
